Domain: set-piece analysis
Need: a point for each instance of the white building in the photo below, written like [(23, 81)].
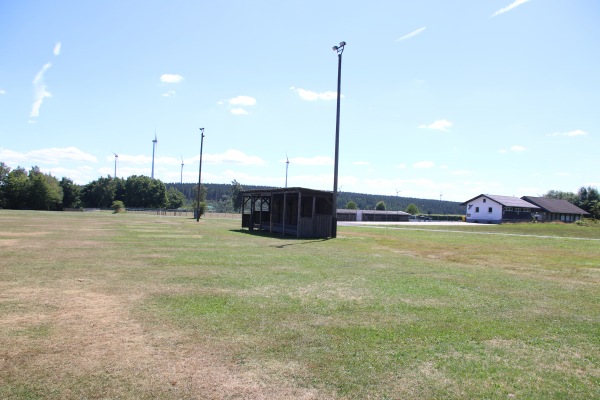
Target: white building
[(494, 209)]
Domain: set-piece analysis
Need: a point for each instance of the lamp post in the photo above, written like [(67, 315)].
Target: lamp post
[(339, 50), (200, 174)]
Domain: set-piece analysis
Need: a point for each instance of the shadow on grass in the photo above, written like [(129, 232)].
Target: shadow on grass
[(292, 241)]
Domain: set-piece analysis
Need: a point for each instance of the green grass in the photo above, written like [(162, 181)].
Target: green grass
[(375, 313), (557, 229)]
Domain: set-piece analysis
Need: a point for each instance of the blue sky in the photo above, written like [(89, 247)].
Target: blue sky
[(451, 98)]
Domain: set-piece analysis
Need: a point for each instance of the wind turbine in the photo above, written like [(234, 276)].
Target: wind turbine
[(153, 149), (287, 164), (181, 169), (116, 156)]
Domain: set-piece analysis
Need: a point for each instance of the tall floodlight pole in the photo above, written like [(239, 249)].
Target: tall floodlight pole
[(181, 182), (153, 149), (200, 174), (116, 156), (339, 50), (287, 164)]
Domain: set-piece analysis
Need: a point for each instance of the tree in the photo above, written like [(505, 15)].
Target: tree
[(4, 171), (175, 199), (595, 210), (117, 206), (236, 195), (586, 196), (380, 206), (203, 192), (559, 194), (70, 193), (412, 209), (588, 199), (99, 193), (119, 185), (350, 205), (145, 192), (45, 192), (16, 189)]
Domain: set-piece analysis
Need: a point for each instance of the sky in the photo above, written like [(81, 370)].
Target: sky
[(439, 99)]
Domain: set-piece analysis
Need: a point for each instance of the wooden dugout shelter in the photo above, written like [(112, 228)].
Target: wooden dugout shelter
[(299, 212)]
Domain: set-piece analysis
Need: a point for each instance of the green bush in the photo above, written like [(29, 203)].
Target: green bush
[(588, 222), (118, 206)]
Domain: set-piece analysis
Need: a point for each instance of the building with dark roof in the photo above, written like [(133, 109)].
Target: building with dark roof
[(556, 209), (372, 215), (494, 209)]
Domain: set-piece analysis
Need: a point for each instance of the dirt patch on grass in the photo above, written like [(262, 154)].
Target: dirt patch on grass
[(90, 337)]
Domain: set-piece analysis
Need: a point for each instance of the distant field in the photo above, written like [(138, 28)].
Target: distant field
[(96, 305)]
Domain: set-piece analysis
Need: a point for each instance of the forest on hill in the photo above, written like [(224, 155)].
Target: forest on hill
[(219, 195)]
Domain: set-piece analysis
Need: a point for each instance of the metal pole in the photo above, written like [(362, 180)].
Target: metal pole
[(200, 174), (340, 50), (287, 164)]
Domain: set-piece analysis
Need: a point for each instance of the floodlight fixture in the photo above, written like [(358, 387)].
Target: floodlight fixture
[(339, 49)]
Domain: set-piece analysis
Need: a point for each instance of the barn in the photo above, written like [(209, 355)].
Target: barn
[(556, 209)]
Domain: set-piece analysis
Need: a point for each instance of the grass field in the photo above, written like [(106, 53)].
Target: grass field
[(96, 305)]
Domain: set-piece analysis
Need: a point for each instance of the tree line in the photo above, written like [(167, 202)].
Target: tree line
[(35, 190)]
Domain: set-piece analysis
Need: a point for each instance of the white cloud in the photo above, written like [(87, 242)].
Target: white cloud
[(56, 50), (47, 156), (515, 148), (39, 91), (577, 132), (401, 166), (243, 101), (314, 96), (439, 125), (461, 172), (232, 157), (514, 4), (312, 161), (170, 93), (129, 159), (171, 78), (239, 111), (412, 34), (424, 164), (2, 91)]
